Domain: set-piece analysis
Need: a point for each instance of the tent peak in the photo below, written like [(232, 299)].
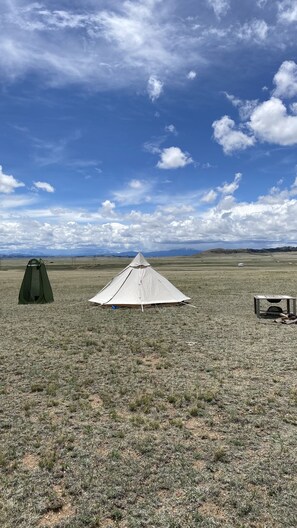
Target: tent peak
[(139, 261)]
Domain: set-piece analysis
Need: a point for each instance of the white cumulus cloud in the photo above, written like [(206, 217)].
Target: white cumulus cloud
[(188, 219), (220, 7), (287, 11), (8, 183), (230, 188), (191, 75), (154, 88), (173, 158), (256, 30), (44, 186), (171, 129), (209, 197), (285, 80), (245, 107), (230, 138), (135, 192), (107, 209), (293, 108), (270, 122), (261, 3)]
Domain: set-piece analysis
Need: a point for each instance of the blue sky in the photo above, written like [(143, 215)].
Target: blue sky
[(147, 125)]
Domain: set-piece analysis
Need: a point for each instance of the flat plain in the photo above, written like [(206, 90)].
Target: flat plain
[(175, 417)]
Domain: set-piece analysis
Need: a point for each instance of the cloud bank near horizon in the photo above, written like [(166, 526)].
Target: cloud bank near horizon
[(175, 220)]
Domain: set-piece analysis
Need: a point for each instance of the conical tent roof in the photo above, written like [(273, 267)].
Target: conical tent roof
[(139, 285), (35, 287), (139, 261)]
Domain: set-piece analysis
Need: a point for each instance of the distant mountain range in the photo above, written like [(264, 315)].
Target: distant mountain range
[(182, 252), (92, 253), (283, 249)]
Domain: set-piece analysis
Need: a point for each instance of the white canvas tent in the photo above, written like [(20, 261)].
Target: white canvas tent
[(139, 285)]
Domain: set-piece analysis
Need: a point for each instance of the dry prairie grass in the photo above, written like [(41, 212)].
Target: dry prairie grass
[(175, 417)]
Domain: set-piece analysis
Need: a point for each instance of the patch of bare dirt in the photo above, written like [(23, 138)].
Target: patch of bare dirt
[(213, 511), (199, 465), (52, 518), (95, 401), (103, 451), (152, 360), (30, 462), (130, 454), (198, 427)]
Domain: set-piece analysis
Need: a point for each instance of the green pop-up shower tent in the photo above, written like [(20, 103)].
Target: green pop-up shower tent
[(36, 287)]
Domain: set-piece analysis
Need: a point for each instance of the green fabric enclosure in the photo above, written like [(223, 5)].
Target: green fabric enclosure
[(36, 287)]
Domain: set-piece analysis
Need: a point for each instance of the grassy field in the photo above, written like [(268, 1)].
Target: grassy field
[(176, 417)]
